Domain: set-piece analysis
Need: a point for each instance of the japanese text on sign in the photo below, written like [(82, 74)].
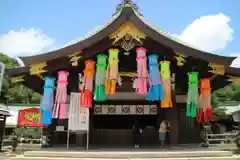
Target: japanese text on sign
[(30, 117)]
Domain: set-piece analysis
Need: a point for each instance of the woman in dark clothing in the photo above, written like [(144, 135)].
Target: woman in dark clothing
[(136, 134)]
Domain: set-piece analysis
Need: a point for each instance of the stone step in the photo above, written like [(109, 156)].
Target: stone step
[(149, 154), (183, 158)]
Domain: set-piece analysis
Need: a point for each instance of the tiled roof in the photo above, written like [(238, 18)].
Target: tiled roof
[(166, 34), (89, 34)]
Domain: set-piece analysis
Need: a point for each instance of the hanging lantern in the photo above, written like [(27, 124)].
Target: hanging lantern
[(166, 82), (142, 72), (192, 95), (112, 72), (100, 92), (205, 113), (156, 90), (86, 94)]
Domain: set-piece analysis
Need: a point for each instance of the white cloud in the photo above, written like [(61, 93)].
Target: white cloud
[(25, 42), (209, 33), (236, 62)]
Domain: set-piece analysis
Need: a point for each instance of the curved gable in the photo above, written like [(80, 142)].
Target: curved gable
[(129, 14)]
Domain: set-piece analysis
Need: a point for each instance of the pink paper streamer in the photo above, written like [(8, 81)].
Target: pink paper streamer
[(60, 106), (142, 72)]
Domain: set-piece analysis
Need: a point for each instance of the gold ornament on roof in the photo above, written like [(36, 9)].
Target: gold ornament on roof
[(18, 79), (180, 59), (37, 69), (217, 69), (128, 74), (127, 5), (74, 58), (234, 80), (127, 29)]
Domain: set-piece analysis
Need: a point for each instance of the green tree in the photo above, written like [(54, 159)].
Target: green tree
[(34, 132), (229, 93), (15, 92)]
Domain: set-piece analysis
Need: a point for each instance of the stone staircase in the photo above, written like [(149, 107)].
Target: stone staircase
[(133, 155)]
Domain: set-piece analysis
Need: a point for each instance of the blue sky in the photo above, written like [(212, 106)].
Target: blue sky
[(61, 21)]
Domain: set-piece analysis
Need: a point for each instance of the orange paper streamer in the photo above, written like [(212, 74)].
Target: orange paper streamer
[(112, 72), (165, 72), (86, 94), (205, 113)]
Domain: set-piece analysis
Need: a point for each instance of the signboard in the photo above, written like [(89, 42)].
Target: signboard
[(84, 119), (59, 128), (78, 116), (30, 117)]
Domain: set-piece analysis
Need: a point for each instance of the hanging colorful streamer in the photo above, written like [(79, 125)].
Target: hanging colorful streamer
[(156, 90), (192, 95), (100, 92), (60, 106), (166, 82), (47, 101), (142, 72), (86, 94), (112, 72), (205, 113)]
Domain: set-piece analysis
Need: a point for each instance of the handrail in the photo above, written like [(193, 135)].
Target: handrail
[(222, 138)]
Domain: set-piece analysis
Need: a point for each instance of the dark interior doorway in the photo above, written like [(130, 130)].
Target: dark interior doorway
[(116, 130), (123, 121)]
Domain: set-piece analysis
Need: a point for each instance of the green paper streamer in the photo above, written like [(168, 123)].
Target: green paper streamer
[(100, 92), (192, 96)]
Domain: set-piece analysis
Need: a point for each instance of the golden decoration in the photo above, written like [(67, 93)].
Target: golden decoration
[(74, 58), (235, 80), (127, 29), (180, 59), (37, 69), (17, 79), (217, 69), (128, 74), (127, 5)]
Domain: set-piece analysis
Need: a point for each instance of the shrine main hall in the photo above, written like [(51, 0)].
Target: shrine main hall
[(123, 71)]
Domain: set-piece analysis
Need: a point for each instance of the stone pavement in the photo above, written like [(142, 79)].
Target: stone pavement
[(3, 156)]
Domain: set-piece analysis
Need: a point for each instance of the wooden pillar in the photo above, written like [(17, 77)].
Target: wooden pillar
[(172, 116), (2, 130)]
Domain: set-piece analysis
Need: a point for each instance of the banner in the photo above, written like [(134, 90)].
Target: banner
[(30, 117), (78, 116)]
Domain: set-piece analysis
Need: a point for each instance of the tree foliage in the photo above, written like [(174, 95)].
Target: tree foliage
[(31, 132), (17, 93), (229, 93)]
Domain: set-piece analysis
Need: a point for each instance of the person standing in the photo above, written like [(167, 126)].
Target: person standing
[(136, 134), (163, 129)]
